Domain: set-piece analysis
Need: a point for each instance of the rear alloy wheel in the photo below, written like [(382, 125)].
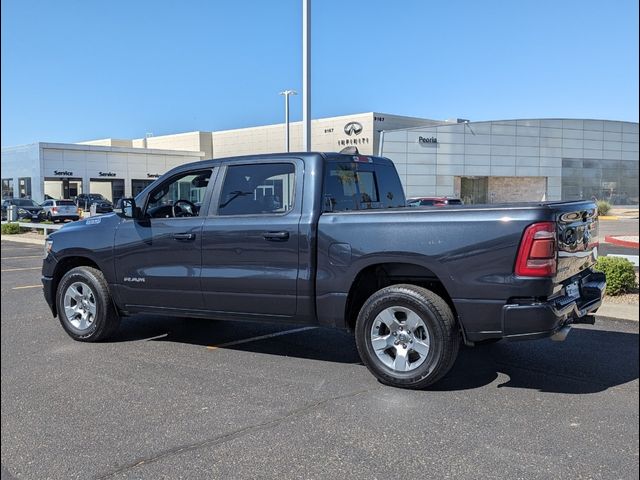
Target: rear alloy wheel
[(85, 309), (407, 336)]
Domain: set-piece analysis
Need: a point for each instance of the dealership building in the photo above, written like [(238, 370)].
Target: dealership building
[(482, 162)]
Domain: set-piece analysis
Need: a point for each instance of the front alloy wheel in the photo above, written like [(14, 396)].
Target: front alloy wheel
[(84, 305), (80, 305)]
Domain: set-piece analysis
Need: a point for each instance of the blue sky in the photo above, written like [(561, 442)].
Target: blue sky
[(86, 69)]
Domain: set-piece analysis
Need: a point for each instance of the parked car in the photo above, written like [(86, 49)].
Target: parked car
[(433, 201), (85, 200), (326, 239), (27, 209), (60, 210)]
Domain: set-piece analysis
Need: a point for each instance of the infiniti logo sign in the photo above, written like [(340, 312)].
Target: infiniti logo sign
[(353, 128)]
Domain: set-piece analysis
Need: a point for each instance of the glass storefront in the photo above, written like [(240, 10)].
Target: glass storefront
[(615, 181)]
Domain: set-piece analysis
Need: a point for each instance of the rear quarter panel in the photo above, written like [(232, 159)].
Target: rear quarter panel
[(471, 250)]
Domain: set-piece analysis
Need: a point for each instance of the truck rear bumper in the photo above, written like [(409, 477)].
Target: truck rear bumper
[(536, 320), (527, 319)]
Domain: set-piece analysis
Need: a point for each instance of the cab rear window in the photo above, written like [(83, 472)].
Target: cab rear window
[(358, 186)]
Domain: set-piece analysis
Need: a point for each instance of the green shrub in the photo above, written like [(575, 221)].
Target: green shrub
[(603, 207), (621, 276), (10, 228)]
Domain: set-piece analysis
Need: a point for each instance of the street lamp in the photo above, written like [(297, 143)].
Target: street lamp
[(286, 94)]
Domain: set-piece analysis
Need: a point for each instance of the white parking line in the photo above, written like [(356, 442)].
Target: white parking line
[(261, 337), (22, 256), (27, 286), (18, 269)]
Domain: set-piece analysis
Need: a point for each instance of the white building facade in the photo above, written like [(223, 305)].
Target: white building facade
[(481, 162), (64, 170), (518, 160)]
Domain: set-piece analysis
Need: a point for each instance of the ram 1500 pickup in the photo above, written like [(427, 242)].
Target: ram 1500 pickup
[(325, 239)]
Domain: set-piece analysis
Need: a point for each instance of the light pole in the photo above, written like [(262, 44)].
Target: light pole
[(306, 75), (286, 94)]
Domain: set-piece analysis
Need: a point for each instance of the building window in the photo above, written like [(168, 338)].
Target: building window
[(615, 181), (24, 187), (7, 188)]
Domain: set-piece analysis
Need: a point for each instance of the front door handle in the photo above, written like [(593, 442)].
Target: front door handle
[(184, 236), (276, 236)]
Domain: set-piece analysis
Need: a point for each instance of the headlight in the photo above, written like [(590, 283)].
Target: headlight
[(48, 245), (22, 211)]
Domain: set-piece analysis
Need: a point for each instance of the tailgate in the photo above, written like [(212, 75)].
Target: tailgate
[(577, 234)]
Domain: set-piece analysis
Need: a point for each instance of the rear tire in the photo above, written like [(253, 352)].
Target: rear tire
[(85, 308), (407, 336)]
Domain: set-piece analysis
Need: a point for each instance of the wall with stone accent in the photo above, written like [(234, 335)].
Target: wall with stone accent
[(517, 189)]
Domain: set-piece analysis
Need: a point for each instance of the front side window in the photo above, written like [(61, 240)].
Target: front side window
[(257, 189), (180, 196)]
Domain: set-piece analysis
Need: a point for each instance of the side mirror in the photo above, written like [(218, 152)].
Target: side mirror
[(128, 209)]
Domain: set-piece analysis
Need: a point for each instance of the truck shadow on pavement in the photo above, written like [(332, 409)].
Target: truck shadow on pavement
[(590, 360)]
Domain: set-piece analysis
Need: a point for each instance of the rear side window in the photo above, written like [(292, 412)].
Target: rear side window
[(258, 189), (356, 186)]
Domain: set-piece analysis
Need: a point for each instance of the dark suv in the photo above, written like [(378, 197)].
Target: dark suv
[(85, 200), (27, 209)]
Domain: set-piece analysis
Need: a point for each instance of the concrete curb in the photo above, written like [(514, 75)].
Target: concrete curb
[(32, 241), (621, 243), (608, 217), (618, 311)]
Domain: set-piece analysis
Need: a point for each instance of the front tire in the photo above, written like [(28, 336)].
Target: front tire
[(85, 308), (407, 336)]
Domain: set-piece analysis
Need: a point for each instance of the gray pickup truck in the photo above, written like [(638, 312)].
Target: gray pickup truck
[(325, 239)]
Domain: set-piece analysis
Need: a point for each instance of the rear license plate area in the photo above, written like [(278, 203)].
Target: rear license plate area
[(572, 290)]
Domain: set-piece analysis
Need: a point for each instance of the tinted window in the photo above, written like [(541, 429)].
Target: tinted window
[(64, 202), (427, 203), (257, 189), (356, 186), (455, 201)]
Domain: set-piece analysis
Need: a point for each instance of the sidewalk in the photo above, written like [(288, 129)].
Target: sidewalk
[(618, 311), (24, 238)]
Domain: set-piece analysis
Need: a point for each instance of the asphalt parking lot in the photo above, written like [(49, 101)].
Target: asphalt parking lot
[(179, 398)]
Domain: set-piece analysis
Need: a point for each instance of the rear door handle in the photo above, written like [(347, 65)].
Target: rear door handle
[(184, 236), (275, 236)]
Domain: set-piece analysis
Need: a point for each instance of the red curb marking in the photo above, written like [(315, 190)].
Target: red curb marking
[(621, 243)]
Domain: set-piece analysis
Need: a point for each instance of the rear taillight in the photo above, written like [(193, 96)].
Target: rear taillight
[(537, 253), (54, 210)]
